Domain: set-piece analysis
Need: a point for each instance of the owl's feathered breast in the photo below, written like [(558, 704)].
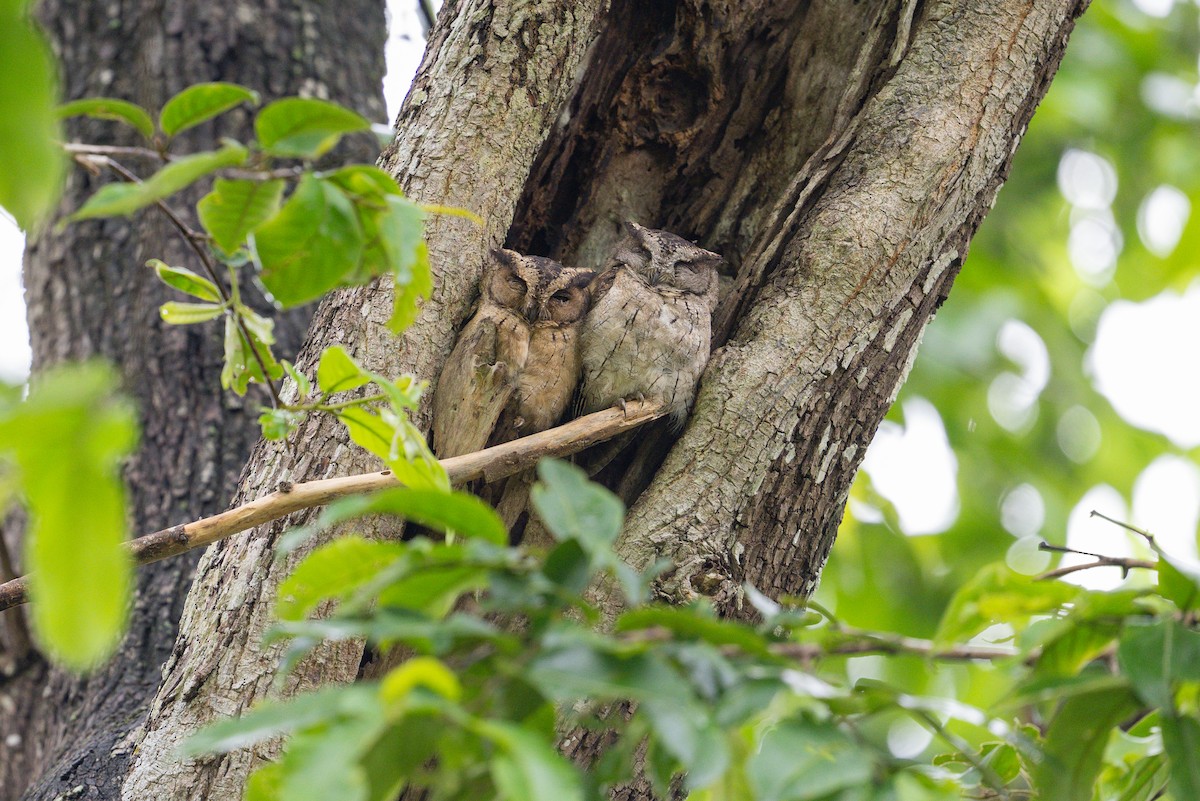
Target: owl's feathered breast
[(646, 340), (479, 380)]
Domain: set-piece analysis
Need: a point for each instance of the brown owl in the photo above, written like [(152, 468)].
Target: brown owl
[(648, 332), (515, 366)]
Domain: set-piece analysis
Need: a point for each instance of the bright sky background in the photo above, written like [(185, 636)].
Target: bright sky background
[(912, 465)]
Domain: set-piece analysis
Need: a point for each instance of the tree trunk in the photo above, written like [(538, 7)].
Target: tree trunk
[(840, 156), (90, 295)]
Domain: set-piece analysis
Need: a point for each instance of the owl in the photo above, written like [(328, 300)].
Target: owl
[(515, 366), (648, 331)]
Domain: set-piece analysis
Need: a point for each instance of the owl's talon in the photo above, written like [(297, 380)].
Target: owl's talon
[(624, 411)]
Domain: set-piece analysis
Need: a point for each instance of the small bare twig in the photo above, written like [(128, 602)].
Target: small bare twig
[(428, 16), (196, 241), (1126, 564), (77, 149), (19, 644), (287, 173), (1146, 535), (489, 465)]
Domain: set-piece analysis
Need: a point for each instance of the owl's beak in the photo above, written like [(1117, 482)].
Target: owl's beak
[(654, 276)]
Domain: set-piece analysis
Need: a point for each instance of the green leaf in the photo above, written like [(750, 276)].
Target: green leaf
[(265, 784), (799, 760), (999, 595), (110, 108), (1179, 582), (399, 753), (311, 246), (338, 372), (691, 736), (279, 423), (261, 328), (117, 199), (420, 671), (1146, 780), (304, 386), (574, 508), (1075, 743), (391, 625), (322, 763), (406, 301), (694, 623), (1157, 657), (393, 230), (580, 668), (271, 719), (201, 102), (334, 571), (303, 127), (1181, 739), (399, 444), (433, 589), (175, 313), (185, 281), (527, 767), (459, 512), (32, 163), (1076, 646), (240, 365), (67, 440), (234, 208), (568, 566)]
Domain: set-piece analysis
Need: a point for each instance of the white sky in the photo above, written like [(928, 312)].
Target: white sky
[(1140, 377)]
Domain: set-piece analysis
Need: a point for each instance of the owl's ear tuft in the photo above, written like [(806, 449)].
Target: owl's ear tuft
[(505, 257), (632, 229), (710, 259)]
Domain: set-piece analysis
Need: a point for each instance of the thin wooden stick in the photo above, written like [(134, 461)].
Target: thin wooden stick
[(490, 464)]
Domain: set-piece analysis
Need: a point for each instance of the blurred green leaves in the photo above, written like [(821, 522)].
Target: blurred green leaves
[(32, 164), (65, 443)]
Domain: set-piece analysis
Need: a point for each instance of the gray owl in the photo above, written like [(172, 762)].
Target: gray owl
[(648, 332), (515, 365)]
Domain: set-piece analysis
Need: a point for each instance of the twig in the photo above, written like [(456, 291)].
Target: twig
[(490, 465), (428, 17), (75, 148), (1146, 535), (989, 776), (1126, 564), (20, 643), (874, 644), (195, 240), (867, 643), (266, 175)]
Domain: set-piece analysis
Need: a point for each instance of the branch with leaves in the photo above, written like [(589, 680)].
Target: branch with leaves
[(491, 464)]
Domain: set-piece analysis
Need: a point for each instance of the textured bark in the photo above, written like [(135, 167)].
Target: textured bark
[(830, 303), (90, 295), (839, 154), (493, 81)]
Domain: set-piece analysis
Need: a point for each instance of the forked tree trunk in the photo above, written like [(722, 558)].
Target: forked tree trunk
[(841, 155), (89, 294)]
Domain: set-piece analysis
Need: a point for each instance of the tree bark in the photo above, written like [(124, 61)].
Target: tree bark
[(841, 158), (491, 86), (89, 295)]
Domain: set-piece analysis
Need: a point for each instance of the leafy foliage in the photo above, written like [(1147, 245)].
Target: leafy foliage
[(31, 163), (502, 661), (63, 447), (200, 103)]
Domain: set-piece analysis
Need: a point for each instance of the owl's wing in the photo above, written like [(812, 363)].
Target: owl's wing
[(476, 385)]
